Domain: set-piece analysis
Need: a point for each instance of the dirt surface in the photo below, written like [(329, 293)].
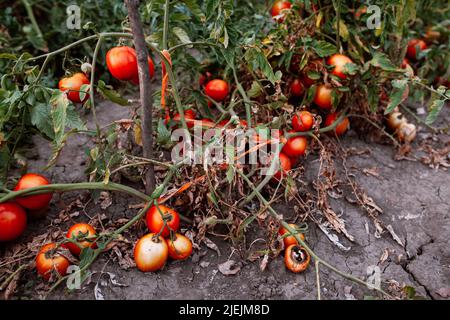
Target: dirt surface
[(415, 201)]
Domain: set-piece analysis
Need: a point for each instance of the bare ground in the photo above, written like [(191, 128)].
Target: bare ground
[(414, 198)]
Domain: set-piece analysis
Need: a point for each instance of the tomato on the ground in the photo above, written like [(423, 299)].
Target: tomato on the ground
[(80, 231), (150, 253), (180, 247), (49, 262), (13, 221), (35, 202), (289, 240), (155, 221), (296, 258)]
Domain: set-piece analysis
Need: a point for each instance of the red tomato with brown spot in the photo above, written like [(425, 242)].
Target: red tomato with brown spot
[(150, 253), (72, 85), (180, 247), (36, 202), (122, 63), (277, 7), (342, 127), (338, 62), (302, 121), (323, 97), (155, 222), (13, 221), (285, 166), (295, 147), (297, 88), (289, 240), (415, 46), (49, 262), (80, 231), (217, 90), (296, 258)]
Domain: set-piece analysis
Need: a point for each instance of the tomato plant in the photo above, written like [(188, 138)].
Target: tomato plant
[(49, 261), (82, 234), (162, 219), (180, 247), (150, 253), (36, 202), (13, 221)]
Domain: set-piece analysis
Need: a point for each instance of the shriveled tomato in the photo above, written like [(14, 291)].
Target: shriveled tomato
[(289, 240), (296, 146), (155, 220), (80, 231), (72, 85), (338, 61), (297, 88), (285, 166), (322, 97), (13, 221), (217, 89), (415, 46), (277, 7), (36, 202), (302, 121), (122, 63), (180, 247), (49, 261), (342, 127), (296, 258), (150, 253)]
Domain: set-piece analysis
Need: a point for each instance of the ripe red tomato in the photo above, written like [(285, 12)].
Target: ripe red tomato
[(180, 247), (415, 46), (277, 7), (296, 258), (155, 221), (80, 231), (150, 253), (295, 147), (297, 88), (322, 97), (339, 61), (302, 121), (13, 221), (342, 127), (289, 240), (189, 117), (217, 89), (285, 166), (48, 261), (35, 202), (73, 85), (405, 63), (122, 63)]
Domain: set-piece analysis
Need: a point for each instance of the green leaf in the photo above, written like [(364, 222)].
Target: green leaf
[(163, 134), (381, 60), (195, 8), (373, 98), (58, 112), (41, 118), (181, 35), (109, 93), (434, 110), (257, 60), (255, 90), (398, 95), (324, 48)]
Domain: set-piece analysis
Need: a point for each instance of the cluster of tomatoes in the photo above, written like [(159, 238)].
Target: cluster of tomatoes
[(13, 215), (296, 258), (152, 250)]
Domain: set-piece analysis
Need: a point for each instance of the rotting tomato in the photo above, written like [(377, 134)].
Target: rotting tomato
[(285, 166), (323, 97), (73, 86), (155, 221), (415, 46), (217, 89), (80, 231), (150, 253), (302, 121), (297, 88), (277, 9), (289, 240), (180, 247), (35, 202), (296, 258), (48, 261), (342, 127), (338, 61), (122, 63), (13, 221), (295, 146)]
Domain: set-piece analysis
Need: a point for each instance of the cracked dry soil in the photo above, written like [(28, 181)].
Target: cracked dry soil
[(414, 198)]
